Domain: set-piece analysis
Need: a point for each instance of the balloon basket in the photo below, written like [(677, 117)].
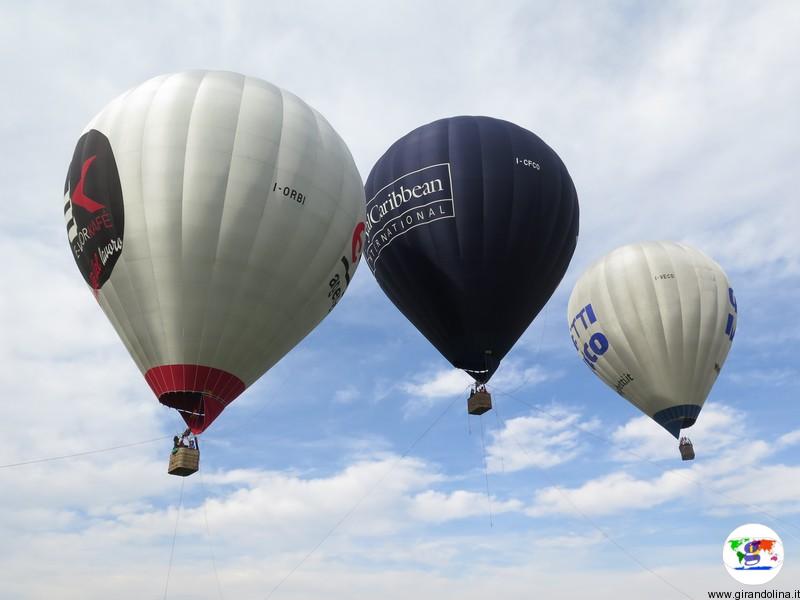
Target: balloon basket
[(479, 402), (184, 461), (686, 448)]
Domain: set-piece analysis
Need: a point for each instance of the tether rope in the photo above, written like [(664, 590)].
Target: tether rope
[(86, 453), (586, 518), (208, 535), (486, 474), (679, 473), (174, 537), (353, 509)]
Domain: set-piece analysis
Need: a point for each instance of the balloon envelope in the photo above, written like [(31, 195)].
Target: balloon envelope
[(655, 322), (471, 223), (218, 219)]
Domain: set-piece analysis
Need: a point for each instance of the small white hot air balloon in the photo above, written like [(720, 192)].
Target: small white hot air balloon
[(217, 219), (655, 322)]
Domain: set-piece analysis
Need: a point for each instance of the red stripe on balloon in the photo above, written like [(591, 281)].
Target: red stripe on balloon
[(219, 388)]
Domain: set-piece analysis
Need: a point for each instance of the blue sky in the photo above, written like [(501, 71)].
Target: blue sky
[(677, 120)]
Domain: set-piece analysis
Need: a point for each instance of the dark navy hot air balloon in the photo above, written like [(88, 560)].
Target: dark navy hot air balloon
[(471, 224)]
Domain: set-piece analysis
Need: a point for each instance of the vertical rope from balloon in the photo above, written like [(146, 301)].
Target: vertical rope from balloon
[(500, 427), (174, 537), (486, 475), (208, 536)]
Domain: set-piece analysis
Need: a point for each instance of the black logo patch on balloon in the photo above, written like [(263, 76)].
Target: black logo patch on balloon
[(93, 208)]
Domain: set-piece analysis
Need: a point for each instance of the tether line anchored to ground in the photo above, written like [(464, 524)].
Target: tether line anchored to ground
[(174, 537), (679, 473), (366, 495), (86, 453), (486, 475), (586, 518), (208, 535)]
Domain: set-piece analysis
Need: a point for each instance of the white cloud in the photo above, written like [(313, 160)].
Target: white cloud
[(732, 474), (346, 395), (251, 513), (70, 388), (762, 490), (608, 495), (541, 441), (442, 384), (789, 439), (513, 376), (718, 428), (764, 377), (438, 507), (428, 390), (557, 567)]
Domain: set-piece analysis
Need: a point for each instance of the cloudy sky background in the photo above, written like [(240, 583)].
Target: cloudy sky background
[(677, 120)]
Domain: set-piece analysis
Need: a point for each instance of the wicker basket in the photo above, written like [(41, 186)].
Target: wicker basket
[(479, 403), (687, 450), (184, 461)]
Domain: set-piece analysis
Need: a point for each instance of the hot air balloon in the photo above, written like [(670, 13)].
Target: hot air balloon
[(471, 223), (217, 219), (655, 322)]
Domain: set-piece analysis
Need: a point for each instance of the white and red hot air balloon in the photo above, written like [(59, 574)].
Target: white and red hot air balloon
[(217, 218)]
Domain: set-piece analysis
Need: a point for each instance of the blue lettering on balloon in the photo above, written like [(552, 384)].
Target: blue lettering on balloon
[(599, 343), (730, 327), (730, 330), (586, 312), (590, 313)]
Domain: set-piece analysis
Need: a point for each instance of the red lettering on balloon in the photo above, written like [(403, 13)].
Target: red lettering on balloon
[(94, 275), (358, 241)]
